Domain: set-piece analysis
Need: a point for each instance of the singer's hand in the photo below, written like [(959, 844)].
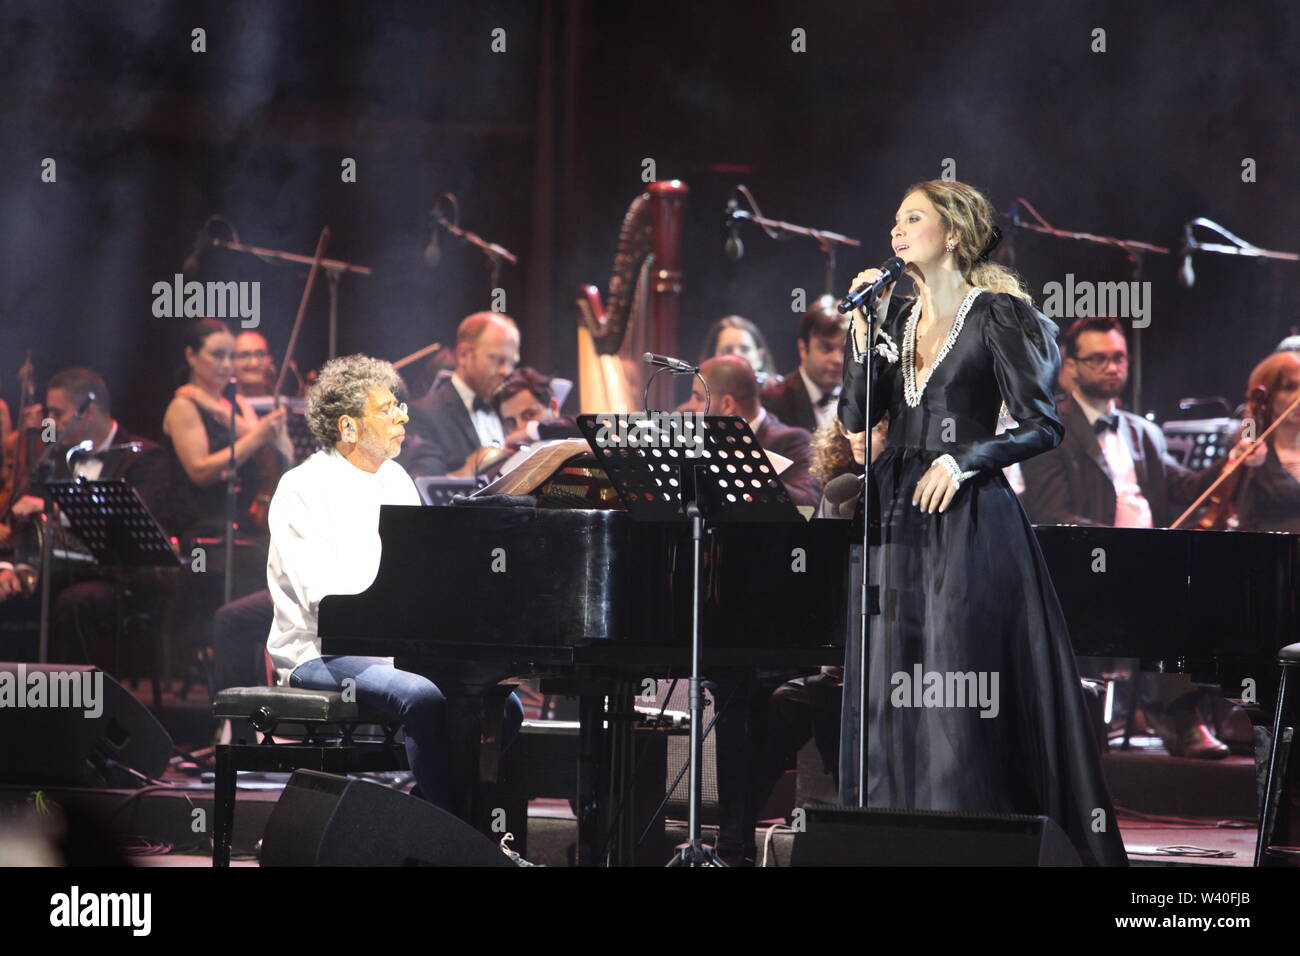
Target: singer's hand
[(935, 489), (865, 277)]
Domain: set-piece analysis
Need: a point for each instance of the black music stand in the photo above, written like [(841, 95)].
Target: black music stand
[(114, 524), (710, 470)]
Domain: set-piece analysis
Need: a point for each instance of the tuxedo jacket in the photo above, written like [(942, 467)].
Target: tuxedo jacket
[(440, 435), (795, 444), (1073, 484), (789, 400)]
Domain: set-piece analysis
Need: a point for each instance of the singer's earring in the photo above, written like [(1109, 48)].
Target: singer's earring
[(951, 246)]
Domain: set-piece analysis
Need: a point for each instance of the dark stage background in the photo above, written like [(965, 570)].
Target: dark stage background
[(544, 145)]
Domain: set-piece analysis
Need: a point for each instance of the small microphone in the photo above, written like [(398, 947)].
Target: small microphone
[(1186, 277), (78, 450), (666, 361), (733, 247), (231, 390), (890, 271), (433, 251)]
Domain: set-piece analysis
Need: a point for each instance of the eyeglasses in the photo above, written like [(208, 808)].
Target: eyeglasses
[(245, 356), (394, 411), (1099, 361)]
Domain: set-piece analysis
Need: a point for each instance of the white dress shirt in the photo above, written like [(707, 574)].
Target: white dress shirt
[(486, 423), (1132, 510), (90, 466), (324, 521), (821, 413)]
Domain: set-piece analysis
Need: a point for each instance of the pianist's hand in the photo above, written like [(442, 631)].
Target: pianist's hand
[(1256, 457)]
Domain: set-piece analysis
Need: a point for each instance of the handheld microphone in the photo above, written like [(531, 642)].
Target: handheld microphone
[(843, 488), (890, 271), (666, 361), (231, 390)]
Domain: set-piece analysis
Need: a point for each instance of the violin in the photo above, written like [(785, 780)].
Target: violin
[(25, 442), (1222, 510)]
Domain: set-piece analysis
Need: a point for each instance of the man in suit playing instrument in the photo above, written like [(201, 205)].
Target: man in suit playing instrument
[(83, 618), (806, 397), (454, 426), (733, 390), (1114, 468)]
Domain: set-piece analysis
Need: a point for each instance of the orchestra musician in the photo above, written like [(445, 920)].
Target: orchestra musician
[(806, 397), (1112, 467), (529, 410), (733, 390), (454, 427), (968, 592), (1269, 496), (83, 615), (325, 540), (736, 335)]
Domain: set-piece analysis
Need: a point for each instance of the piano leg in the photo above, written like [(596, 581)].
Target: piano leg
[(606, 777), (474, 751)]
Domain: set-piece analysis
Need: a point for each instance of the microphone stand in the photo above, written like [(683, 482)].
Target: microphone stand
[(776, 229), (1132, 249), (863, 645), (494, 252), (334, 270), (232, 499)]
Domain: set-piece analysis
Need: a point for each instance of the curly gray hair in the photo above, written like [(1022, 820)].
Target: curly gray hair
[(341, 389)]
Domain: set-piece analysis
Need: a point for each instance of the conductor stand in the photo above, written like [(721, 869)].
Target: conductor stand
[(710, 470), (232, 496)]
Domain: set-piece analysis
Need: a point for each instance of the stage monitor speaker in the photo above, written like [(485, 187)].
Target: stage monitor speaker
[(840, 836), (75, 726), (326, 820)]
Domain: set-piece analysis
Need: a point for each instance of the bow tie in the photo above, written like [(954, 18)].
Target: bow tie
[(480, 405), (827, 398), (1106, 422)]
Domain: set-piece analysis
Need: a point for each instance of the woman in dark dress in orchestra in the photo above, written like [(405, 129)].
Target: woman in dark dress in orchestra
[(1269, 496), (196, 437), (975, 704)]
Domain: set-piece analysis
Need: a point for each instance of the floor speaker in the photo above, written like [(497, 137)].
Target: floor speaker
[(72, 725), (838, 836), (326, 820)]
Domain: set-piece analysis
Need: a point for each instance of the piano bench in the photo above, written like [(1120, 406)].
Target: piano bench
[(322, 728), (1288, 658)]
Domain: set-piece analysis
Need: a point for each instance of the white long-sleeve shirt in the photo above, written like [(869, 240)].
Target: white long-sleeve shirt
[(324, 521)]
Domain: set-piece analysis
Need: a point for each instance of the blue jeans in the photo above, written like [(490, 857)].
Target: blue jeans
[(410, 698)]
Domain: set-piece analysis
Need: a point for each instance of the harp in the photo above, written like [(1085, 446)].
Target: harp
[(641, 314)]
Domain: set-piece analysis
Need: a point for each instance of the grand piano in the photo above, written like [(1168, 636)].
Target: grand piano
[(475, 597)]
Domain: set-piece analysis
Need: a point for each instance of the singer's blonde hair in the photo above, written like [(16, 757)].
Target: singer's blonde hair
[(964, 208)]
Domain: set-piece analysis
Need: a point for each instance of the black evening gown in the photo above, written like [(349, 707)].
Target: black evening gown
[(965, 596)]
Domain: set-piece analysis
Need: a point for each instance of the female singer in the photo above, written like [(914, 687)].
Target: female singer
[(975, 704)]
